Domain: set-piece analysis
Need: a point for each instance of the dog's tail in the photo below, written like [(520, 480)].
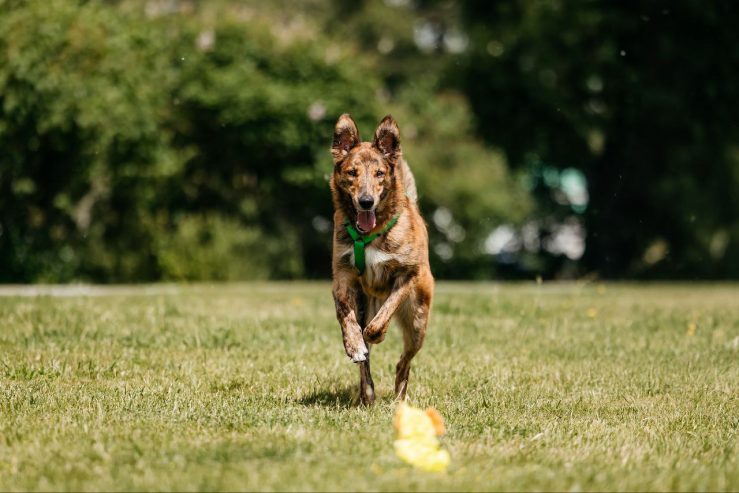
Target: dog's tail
[(409, 182)]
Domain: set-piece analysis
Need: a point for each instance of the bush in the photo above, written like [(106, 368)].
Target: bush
[(215, 248), (113, 125), (82, 91)]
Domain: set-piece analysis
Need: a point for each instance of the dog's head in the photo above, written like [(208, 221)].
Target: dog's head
[(364, 171)]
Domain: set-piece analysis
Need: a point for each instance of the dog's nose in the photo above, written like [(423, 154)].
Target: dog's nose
[(366, 202)]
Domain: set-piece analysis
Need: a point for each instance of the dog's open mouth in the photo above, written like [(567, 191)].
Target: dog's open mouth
[(366, 221)]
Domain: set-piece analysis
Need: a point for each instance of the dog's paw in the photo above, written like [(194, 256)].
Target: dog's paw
[(375, 338), (359, 355), (356, 350), (373, 334)]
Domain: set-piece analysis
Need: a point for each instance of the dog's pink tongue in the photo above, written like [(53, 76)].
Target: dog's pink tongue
[(366, 221)]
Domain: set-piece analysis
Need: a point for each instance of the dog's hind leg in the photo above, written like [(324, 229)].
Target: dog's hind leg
[(366, 385), (413, 317)]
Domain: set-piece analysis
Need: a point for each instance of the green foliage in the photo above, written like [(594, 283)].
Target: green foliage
[(192, 143), (641, 98), (256, 117), (125, 124), (81, 94), (113, 125), (205, 248)]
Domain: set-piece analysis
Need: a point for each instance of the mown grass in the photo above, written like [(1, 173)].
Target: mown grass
[(246, 387)]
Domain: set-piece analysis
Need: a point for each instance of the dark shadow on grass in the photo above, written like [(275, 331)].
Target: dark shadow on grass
[(344, 397)]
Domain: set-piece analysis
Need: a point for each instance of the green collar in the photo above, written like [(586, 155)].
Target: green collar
[(361, 241)]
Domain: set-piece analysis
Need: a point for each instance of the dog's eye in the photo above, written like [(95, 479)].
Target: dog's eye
[(352, 172), (379, 174)]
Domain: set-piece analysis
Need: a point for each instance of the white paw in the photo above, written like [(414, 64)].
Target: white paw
[(360, 355)]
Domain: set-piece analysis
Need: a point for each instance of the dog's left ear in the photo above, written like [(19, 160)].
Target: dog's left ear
[(387, 139)]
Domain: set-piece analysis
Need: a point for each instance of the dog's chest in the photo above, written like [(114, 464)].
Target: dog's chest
[(375, 265)]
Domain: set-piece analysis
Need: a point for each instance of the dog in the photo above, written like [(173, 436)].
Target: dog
[(380, 261)]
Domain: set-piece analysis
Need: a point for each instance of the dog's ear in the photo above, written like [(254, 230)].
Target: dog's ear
[(346, 136), (387, 139)]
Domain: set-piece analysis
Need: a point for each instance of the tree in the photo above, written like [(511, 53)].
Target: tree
[(641, 98), (83, 153)]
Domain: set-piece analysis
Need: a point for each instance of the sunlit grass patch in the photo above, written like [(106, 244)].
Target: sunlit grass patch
[(557, 387)]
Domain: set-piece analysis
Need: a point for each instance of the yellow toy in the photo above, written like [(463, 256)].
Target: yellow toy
[(417, 441)]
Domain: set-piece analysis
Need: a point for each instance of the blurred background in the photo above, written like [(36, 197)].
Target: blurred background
[(189, 140)]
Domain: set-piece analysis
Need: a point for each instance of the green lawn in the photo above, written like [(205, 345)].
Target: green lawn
[(557, 387)]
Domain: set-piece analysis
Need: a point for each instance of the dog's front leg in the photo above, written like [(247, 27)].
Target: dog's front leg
[(346, 291), (375, 331)]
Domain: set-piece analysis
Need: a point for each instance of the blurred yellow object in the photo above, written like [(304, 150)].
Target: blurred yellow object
[(692, 327), (417, 441)]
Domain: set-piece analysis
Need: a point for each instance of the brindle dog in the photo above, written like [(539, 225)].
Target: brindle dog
[(371, 186)]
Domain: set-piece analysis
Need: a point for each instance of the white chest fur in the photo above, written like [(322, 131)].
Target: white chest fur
[(374, 261)]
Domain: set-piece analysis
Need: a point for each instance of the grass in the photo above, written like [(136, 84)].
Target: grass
[(555, 387)]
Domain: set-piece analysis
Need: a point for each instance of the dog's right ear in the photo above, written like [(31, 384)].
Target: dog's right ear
[(346, 136)]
